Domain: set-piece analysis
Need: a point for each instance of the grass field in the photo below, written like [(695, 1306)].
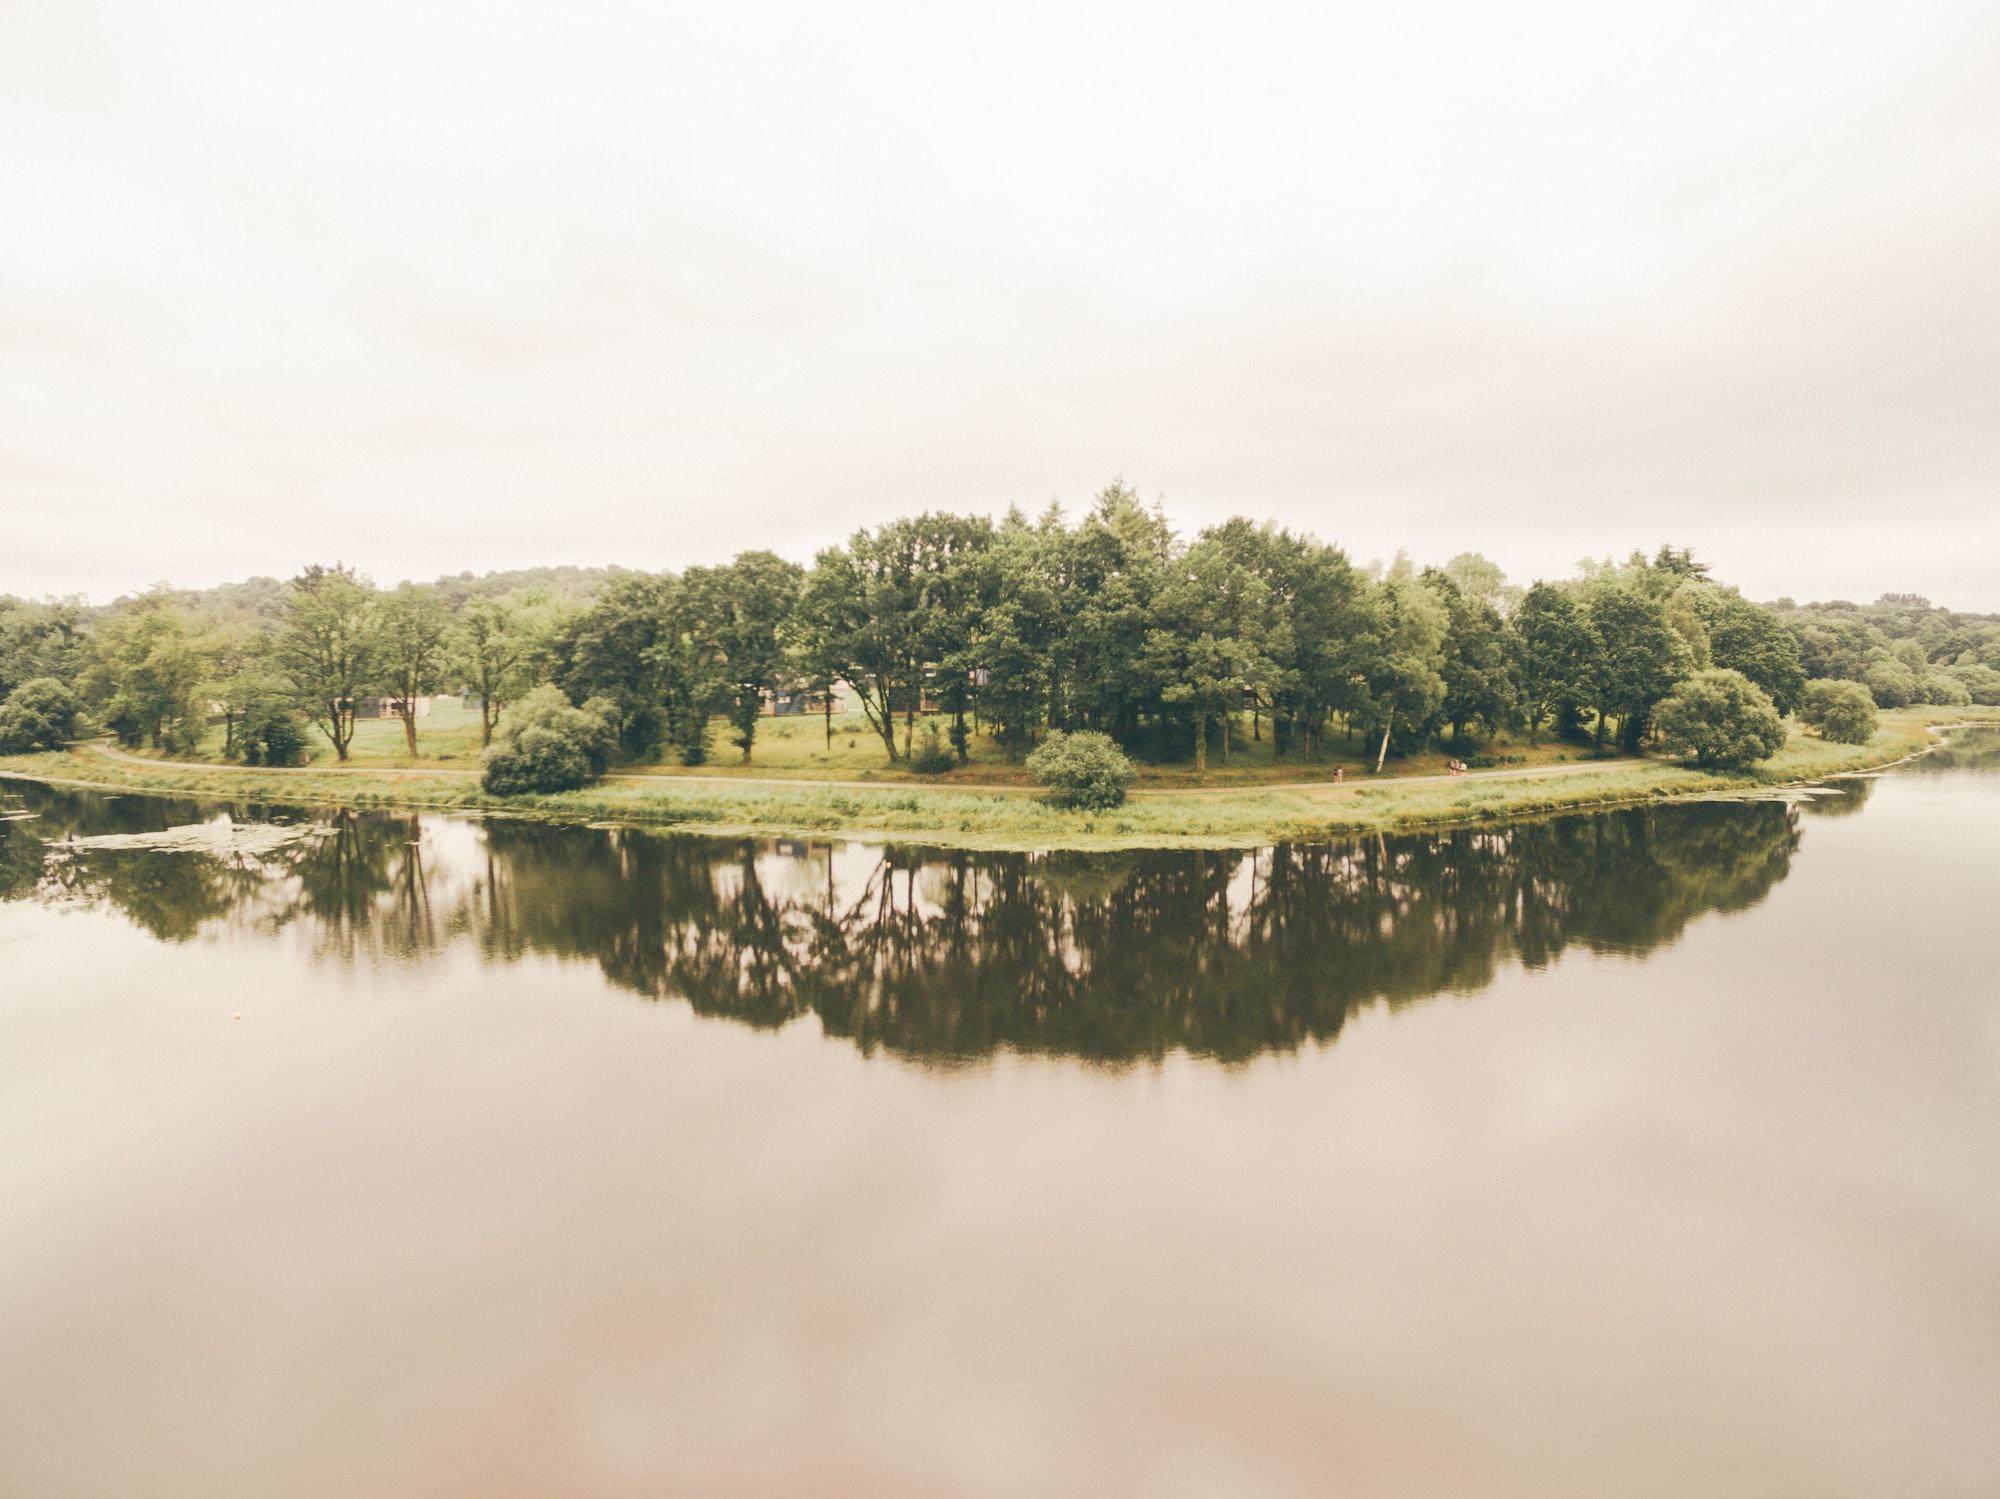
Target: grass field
[(798, 748), (1247, 817)]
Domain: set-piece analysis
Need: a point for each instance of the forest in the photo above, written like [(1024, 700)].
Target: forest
[(974, 628)]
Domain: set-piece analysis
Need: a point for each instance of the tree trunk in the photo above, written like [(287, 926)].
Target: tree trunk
[(1382, 755), (409, 717), (826, 702), (1201, 744)]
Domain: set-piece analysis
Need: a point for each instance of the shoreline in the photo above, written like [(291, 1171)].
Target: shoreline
[(994, 819)]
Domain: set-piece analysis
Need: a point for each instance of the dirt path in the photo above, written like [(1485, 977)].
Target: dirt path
[(1342, 787)]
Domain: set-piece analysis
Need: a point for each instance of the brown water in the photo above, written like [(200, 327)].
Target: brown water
[(1648, 1153)]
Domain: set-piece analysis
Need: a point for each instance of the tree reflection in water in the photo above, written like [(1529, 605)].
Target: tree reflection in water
[(945, 955)]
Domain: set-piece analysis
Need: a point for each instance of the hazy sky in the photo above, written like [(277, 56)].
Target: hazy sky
[(436, 286)]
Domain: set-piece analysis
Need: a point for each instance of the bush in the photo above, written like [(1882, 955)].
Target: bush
[(546, 745), (1081, 770), (1892, 684), (1720, 718), (932, 756), (40, 714), (1983, 682), (1843, 712), (1943, 690), (272, 736)]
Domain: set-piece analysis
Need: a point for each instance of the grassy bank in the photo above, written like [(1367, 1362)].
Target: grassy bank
[(801, 749), (1230, 817)]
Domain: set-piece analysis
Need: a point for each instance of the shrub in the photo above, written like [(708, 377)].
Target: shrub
[(932, 757), (1720, 718), (1983, 682), (1843, 712), (40, 714), (1892, 683), (1081, 770), (1943, 689), (546, 745), (272, 736)]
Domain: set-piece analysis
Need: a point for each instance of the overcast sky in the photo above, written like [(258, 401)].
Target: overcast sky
[(432, 287)]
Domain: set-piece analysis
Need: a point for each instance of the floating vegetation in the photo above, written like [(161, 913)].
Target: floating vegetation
[(222, 836)]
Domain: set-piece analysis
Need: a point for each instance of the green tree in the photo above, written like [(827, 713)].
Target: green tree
[(687, 655), (546, 745), (615, 649), (1015, 638), (1841, 711), (40, 638), (1640, 658), (755, 598), (1556, 659), (1749, 638), (1892, 682), (146, 672), (328, 647), (858, 620), (1207, 650), (1085, 770), (1721, 719), (492, 646), (412, 631), (1477, 661), (1404, 654), (40, 714)]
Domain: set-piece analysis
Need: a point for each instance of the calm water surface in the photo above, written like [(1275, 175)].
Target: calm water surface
[(1648, 1153)]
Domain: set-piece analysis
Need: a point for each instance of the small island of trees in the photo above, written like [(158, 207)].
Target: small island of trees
[(1111, 633)]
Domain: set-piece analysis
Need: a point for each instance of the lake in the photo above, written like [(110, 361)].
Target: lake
[(1649, 1152)]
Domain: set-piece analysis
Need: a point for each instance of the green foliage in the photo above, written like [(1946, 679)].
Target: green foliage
[(613, 650), (933, 756), (1640, 657), (412, 628), (1745, 637), (40, 639), (1843, 712), (146, 672), (1173, 648), (329, 647), (40, 714), (1943, 689), (1896, 645), (1084, 770), (1557, 655), (1980, 681), (752, 601), (272, 734), (546, 745), (1480, 686), (1721, 719), (1892, 683)]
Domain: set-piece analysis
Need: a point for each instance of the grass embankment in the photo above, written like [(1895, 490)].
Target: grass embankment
[(1211, 817)]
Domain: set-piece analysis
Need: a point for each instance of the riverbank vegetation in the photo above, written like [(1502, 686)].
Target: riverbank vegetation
[(945, 648), (1234, 817)]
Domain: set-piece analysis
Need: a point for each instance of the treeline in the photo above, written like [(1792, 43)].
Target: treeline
[(1902, 648), (1011, 628)]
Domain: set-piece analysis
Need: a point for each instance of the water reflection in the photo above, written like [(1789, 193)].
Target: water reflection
[(939, 955)]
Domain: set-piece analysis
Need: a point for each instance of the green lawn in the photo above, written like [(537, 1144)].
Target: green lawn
[(798, 748)]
